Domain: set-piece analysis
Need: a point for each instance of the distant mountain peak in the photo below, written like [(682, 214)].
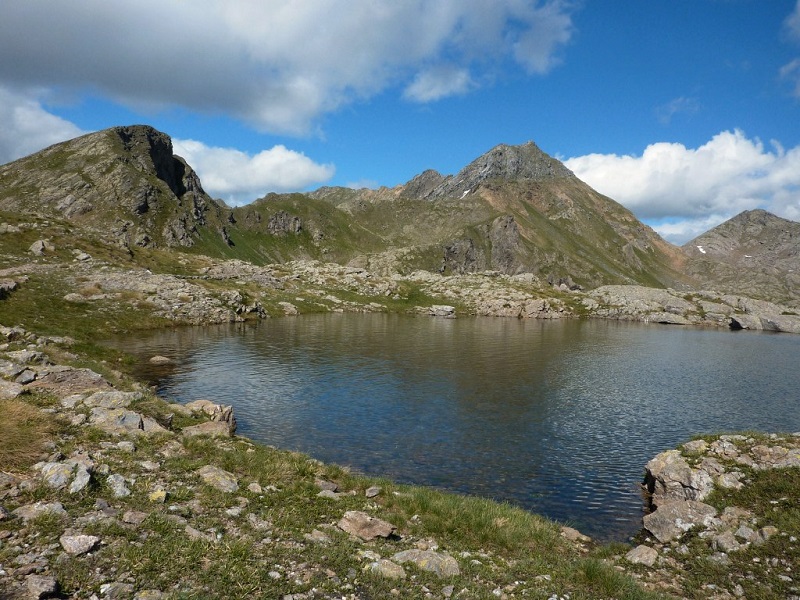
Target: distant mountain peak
[(503, 162)]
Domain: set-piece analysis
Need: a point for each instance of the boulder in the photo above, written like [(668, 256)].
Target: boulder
[(363, 526), (442, 565), (41, 586), (78, 544), (57, 474), (218, 478), (32, 511), (674, 518), (388, 569), (669, 477), (642, 555), (209, 428)]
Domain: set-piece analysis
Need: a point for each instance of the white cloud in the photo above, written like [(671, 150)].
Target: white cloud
[(792, 23), (238, 177), (437, 83), (25, 126), (791, 72), (275, 64), (678, 189), (682, 105)]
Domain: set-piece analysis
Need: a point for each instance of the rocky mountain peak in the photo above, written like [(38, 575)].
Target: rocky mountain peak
[(503, 162)]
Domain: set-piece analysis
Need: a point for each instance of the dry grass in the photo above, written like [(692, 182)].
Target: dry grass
[(24, 429)]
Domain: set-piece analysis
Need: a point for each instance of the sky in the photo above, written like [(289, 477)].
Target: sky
[(687, 112)]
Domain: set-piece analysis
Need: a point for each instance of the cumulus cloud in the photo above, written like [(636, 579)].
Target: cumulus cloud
[(275, 64), (238, 177), (438, 82), (26, 126), (683, 191)]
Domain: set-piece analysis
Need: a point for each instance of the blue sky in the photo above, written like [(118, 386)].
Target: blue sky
[(687, 112)]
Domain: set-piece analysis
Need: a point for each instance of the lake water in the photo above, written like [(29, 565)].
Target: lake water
[(557, 417)]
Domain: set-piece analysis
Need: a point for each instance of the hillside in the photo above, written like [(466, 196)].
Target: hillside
[(755, 253), (512, 210)]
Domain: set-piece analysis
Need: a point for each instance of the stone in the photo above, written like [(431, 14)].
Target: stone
[(726, 542), (324, 484), (442, 310), (329, 495), (82, 479), (41, 586), (573, 535), (27, 376), (123, 421), (117, 590), (218, 478), (148, 595), (10, 390), (117, 484), (373, 491), (32, 511), (642, 555), (134, 517), (318, 537), (209, 428), (57, 474), (696, 446), (730, 481), (440, 564), (363, 526), (157, 496), (387, 568), (160, 360), (78, 544), (673, 519), (255, 488), (112, 399), (669, 477)]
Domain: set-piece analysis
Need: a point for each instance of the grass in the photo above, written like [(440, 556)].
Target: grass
[(24, 430)]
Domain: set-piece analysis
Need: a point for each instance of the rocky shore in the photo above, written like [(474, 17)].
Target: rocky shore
[(130, 482)]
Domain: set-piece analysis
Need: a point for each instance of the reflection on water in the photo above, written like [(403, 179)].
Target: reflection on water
[(558, 417)]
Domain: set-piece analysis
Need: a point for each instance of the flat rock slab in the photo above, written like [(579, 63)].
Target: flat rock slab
[(31, 511), (78, 544), (112, 399), (209, 428), (673, 519), (218, 478), (10, 390), (69, 381), (442, 565), (388, 569), (363, 526)]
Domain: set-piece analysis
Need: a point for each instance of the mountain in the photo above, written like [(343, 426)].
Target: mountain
[(123, 183), (755, 253), (513, 210)]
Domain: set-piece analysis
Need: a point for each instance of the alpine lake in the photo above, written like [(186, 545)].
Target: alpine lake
[(558, 417)]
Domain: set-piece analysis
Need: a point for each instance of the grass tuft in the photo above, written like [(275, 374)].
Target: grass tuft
[(24, 429)]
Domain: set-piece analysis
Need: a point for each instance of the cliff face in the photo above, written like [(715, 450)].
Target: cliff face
[(125, 183)]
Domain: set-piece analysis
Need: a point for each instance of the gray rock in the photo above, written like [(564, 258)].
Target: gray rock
[(112, 399), (57, 474), (669, 477), (442, 565), (329, 495), (726, 542), (82, 478), (387, 568), (116, 590), (218, 478), (209, 428), (78, 544), (642, 555), (363, 526), (160, 360), (27, 376), (32, 511), (673, 519), (117, 484), (41, 586), (324, 484), (10, 390), (373, 491), (134, 517)]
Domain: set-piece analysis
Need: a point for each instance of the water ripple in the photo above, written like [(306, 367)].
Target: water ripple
[(559, 418)]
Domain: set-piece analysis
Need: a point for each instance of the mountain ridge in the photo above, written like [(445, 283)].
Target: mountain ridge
[(512, 210)]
